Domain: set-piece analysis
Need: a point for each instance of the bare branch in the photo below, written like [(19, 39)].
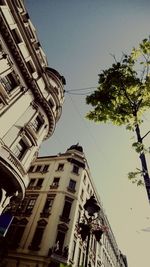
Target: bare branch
[(145, 135), (114, 57)]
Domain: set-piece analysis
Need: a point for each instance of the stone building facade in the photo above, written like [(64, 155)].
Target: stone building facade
[(44, 231), (31, 99)]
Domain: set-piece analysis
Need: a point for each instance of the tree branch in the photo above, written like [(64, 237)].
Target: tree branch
[(114, 58), (145, 135)]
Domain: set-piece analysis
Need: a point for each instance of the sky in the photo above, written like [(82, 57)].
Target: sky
[(79, 38)]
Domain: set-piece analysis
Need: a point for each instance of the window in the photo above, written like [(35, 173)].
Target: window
[(31, 169), (19, 4), (60, 241), (39, 182), (31, 183), (48, 205), (37, 124), (30, 66), (9, 82), (20, 149), (45, 169), (27, 205), (60, 167), (38, 168), (15, 233), (38, 234), (35, 183), (75, 169), (30, 32), (30, 205), (16, 36), (37, 238), (66, 209), (72, 185), (2, 2), (55, 183), (15, 236)]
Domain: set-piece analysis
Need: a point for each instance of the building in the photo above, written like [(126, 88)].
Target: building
[(123, 260), (44, 231), (31, 98)]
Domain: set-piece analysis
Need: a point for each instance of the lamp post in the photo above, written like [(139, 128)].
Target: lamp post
[(88, 227)]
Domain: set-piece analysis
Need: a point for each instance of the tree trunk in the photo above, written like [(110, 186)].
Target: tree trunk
[(143, 162)]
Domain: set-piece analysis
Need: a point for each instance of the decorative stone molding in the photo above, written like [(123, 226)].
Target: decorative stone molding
[(5, 198), (39, 98)]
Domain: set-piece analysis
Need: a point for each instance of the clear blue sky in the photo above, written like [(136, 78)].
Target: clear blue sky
[(78, 38)]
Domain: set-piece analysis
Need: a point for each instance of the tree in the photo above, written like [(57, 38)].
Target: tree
[(122, 96)]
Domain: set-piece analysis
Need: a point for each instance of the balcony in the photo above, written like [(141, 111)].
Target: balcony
[(59, 255), (64, 219), (12, 168), (54, 186), (45, 214), (71, 190)]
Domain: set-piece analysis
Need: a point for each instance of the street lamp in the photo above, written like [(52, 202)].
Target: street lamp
[(88, 225)]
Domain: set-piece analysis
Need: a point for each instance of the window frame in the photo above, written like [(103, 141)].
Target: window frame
[(55, 182), (31, 169), (16, 36), (39, 182), (9, 82), (75, 169), (26, 207), (38, 168), (45, 168), (60, 167), (37, 123), (31, 183), (66, 211), (37, 238), (46, 211), (49, 203), (70, 187), (61, 241), (20, 153)]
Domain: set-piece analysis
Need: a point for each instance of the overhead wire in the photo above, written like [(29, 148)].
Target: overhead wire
[(90, 134), (75, 90), (81, 89), (71, 92)]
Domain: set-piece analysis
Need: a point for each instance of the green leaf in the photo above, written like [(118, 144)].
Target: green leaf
[(123, 96)]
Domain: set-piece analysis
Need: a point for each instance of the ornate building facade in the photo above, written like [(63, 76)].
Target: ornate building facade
[(31, 98), (44, 231)]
